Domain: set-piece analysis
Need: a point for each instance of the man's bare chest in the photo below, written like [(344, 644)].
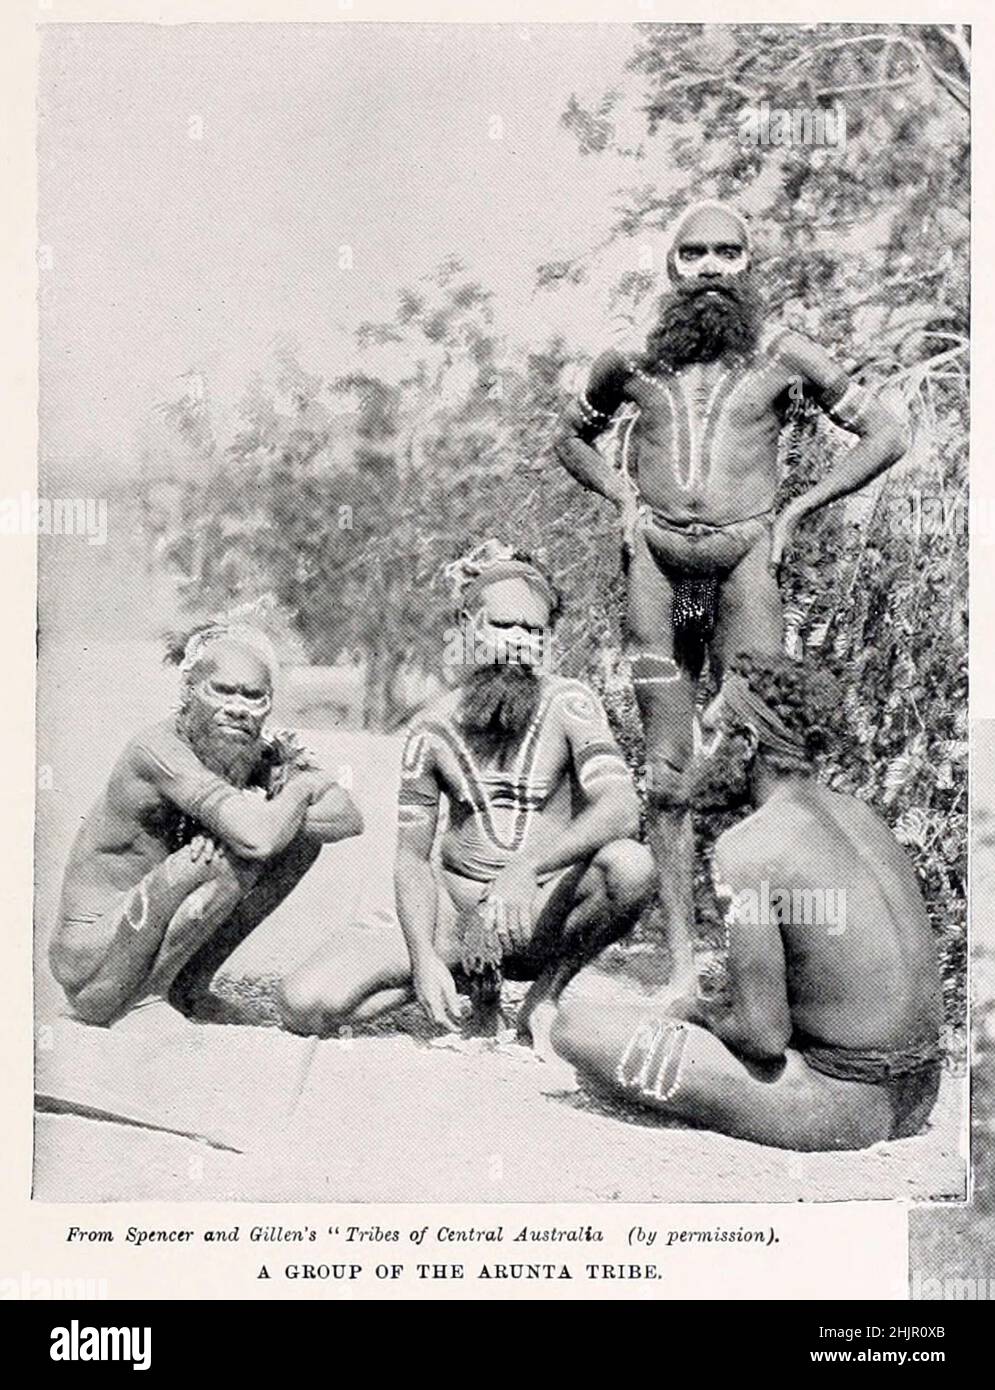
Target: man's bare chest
[(524, 780), (705, 397)]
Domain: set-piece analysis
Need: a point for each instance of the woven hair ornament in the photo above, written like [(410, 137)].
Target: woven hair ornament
[(241, 625), (745, 708), (485, 564)]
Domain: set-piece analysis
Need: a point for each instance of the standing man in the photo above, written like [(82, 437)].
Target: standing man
[(538, 867), (205, 825), (828, 1037), (696, 491)]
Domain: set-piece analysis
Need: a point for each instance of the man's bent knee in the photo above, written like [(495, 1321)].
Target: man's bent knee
[(570, 1028), (308, 1009), (666, 780), (74, 964), (297, 1006), (92, 994), (628, 872), (653, 673)]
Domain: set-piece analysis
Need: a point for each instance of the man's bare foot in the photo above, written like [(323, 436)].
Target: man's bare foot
[(538, 993), (540, 1024)]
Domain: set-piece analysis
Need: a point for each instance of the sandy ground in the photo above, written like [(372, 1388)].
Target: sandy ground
[(478, 1132), (376, 1118), (397, 1118)]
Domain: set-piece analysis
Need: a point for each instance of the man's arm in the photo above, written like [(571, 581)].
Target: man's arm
[(417, 818), (882, 440), (587, 417), (334, 817), (611, 804), (756, 1020), (251, 827), (415, 889)]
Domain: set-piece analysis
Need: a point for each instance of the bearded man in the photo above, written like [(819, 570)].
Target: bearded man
[(538, 868), (206, 823), (827, 1035), (707, 402)]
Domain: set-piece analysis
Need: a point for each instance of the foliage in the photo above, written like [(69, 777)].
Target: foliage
[(864, 247)]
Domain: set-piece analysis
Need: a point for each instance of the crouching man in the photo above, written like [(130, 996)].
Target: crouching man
[(206, 823), (827, 1037), (539, 867)]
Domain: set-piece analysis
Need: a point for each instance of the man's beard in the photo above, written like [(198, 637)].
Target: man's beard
[(720, 782), (233, 760), (497, 705), (694, 326)]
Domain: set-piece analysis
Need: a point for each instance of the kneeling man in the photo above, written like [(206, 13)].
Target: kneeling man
[(539, 867), (206, 823), (827, 1037)]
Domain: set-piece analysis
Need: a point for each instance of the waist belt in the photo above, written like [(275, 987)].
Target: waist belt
[(698, 528), (870, 1064)]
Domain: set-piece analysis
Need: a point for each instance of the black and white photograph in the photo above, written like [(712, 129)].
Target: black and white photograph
[(502, 630)]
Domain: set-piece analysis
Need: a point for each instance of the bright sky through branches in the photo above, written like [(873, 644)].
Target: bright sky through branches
[(173, 253)]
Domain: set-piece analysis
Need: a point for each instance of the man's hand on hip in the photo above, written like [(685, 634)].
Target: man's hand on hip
[(629, 515), (782, 534)]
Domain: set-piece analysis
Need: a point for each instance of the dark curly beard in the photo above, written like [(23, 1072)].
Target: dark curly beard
[(497, 705), (236, 763), (697, 327)]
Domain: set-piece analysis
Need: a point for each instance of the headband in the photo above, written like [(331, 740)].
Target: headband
[(772, 733), (487, 564), (242, 633)]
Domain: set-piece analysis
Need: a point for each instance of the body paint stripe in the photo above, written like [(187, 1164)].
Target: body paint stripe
[(669, 1070), (851, 408), (474, 785), (141, 893), (626, 430), (487, 790), (644, 1037), (715, 415), (684, 443), (772, 347), (601, 749), (607, 768), (660, 1041)]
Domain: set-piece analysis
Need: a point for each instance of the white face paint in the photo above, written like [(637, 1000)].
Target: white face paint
[(710, 244), (692, 264), (511, 626), (224, 697), (233, 695)]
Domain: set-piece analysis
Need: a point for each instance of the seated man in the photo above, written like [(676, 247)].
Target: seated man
[(539, 867), (828, 1035), (206, 823)]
